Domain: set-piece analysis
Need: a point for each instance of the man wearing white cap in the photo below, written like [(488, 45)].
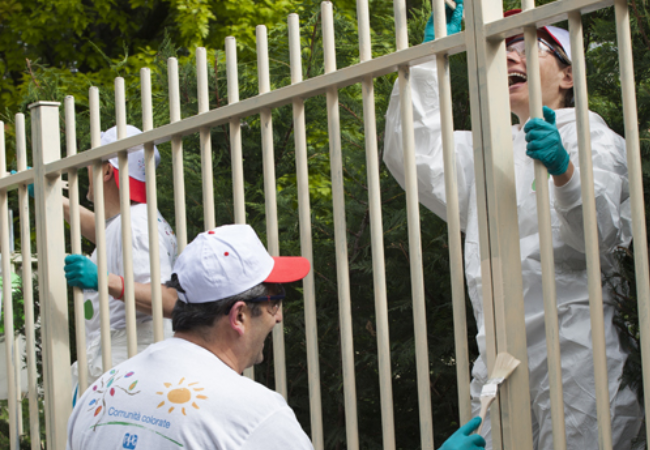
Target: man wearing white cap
[(81, 271), (553, 141), (188, 392)]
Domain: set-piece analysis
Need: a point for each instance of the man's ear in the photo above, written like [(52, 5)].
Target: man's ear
[(567, 78), (107, 171), (238, 318)]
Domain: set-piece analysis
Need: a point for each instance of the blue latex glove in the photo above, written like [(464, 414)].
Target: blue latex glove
[(454, 19), (545, 143), (463, 439), (81, 272), (30, 187)]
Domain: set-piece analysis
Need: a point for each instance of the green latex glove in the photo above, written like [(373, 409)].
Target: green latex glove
[(463, 439), (545, 143), (30, 187), (454, 21), (81, 272)]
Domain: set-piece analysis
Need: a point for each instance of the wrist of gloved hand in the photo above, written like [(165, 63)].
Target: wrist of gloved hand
[(454, 19), (463, 439), (544, 143)]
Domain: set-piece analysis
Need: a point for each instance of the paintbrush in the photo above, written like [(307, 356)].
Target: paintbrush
[(503, 367)]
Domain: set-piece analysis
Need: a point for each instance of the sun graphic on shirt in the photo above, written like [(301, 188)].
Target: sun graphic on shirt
[(181, 395)]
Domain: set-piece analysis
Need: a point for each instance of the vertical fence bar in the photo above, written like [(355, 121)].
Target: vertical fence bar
[(376, 233), (236, 157), (17, 366), (340, 232), (633, 150), (125, 220), (453, 220), (53, 289), (547, 258), (592, 253), (100, 232), (177, 155), (75, 245), (415, 244), (206, 142), (14, 439), (311, 326), (508, 331), (235, 132), (482, 210), (152, 207), (28, 291), (272, 235)]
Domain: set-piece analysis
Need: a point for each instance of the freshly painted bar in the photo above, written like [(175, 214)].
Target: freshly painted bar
[(340, 232), (28, 290), (304, 213), (125, 220), (626, 63), (270, 199), (453, 220), (376, 234)]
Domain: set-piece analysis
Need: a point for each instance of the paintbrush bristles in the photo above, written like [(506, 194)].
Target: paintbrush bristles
[(504, 365)]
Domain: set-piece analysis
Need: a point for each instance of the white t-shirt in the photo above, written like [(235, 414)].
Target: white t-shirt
[(179, 395), (141, 266)]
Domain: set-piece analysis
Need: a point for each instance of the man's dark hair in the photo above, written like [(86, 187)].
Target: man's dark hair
[(201, 316)]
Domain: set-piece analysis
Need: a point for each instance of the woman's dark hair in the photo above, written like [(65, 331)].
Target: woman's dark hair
[(201, 316)]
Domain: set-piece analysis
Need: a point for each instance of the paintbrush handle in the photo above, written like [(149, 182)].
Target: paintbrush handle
[(485, 406)]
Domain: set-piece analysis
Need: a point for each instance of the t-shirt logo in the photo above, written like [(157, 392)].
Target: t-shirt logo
[(102, 392), (130, 441), (181, 395)]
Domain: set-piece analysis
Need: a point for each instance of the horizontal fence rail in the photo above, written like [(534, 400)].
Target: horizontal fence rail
[(484, 42)]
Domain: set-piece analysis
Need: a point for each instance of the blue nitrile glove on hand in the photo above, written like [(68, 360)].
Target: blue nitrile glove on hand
[(81, 272), (545, 143), (454, 19), (463, 439), (30, 187)]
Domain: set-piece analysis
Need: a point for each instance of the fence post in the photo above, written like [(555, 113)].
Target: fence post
[(50, 241)]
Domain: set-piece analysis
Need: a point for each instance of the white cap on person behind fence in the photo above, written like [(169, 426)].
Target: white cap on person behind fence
[(137, 186), (229, 260)]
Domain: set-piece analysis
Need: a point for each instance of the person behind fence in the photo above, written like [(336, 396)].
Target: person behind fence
[(553, 141), (81, 271), (188, 391)]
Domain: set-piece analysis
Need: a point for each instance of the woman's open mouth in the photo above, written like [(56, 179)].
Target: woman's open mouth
[(515, 78)]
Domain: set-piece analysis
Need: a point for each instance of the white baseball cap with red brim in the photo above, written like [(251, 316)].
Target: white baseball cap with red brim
[(229, 260), (559, 35), (137, 186)]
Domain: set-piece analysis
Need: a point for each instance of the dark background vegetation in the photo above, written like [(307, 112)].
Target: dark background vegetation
[(51, 50)]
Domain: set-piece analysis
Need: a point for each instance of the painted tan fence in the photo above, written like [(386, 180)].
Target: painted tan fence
[(484, 41)]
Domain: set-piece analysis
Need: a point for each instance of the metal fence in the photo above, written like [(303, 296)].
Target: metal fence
[(484, 41)]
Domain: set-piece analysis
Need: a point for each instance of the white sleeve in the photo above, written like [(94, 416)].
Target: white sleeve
[(428, 144), (279, 431), (611, 191)]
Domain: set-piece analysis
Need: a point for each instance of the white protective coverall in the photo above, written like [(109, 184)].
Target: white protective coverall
[(614, 230)]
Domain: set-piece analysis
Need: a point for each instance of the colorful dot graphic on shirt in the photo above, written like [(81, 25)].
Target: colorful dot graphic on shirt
[(180, 395)]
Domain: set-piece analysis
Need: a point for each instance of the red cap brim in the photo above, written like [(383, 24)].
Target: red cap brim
[(288, 269), (137, 189)]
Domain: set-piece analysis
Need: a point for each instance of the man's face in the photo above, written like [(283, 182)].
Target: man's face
[(262, 327), (554, 79)]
